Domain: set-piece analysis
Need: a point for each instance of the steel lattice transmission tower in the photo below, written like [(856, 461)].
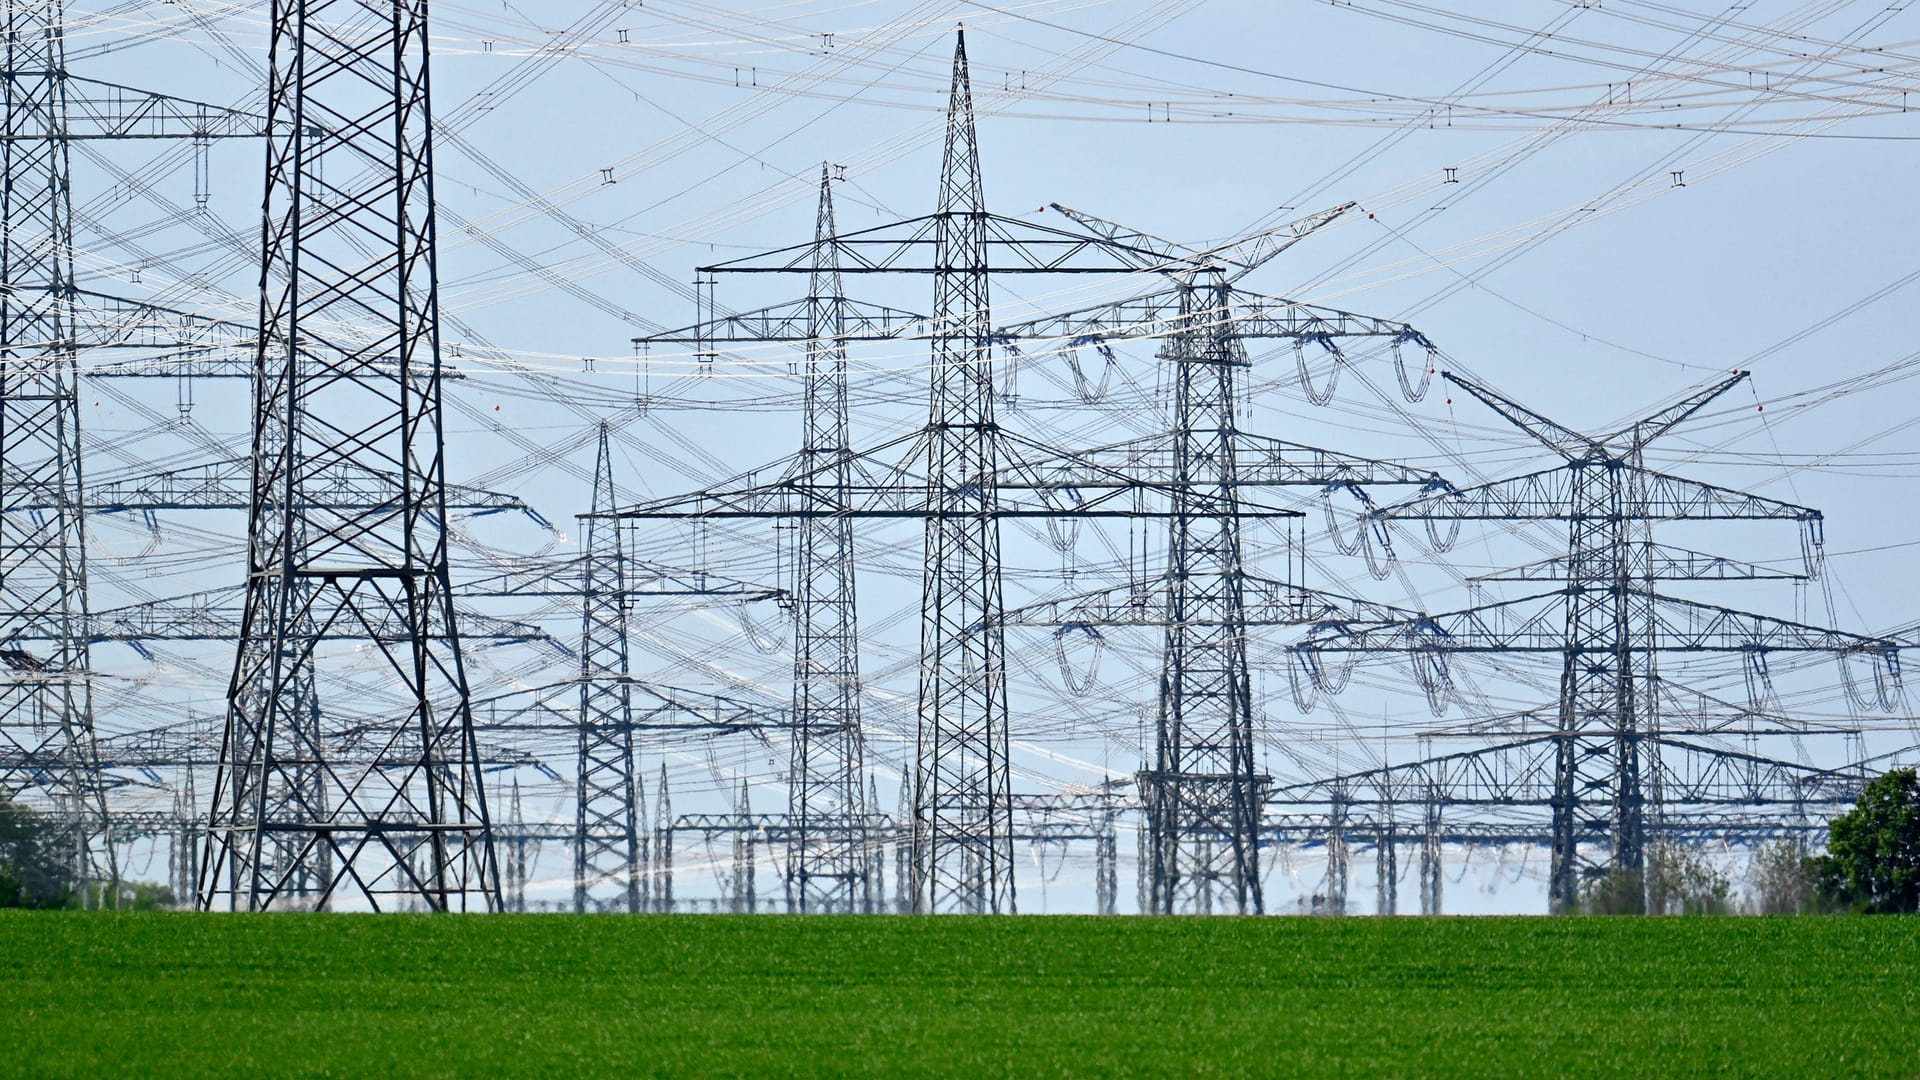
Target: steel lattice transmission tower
[(46, 700), (959, 476), (1607, 625), (828, 853), (1200, 790), (606, 846), (962, 809), (348, 370)]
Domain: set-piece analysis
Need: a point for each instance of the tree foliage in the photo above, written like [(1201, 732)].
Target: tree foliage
[(1872, 862), (1677, 880), (32, 874), (1783, 879)]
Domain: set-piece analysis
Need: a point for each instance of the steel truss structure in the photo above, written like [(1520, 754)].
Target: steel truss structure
[(1607, 771), (1202, 795), (46, 711), (829, 864), (348, 369), (961, 474)]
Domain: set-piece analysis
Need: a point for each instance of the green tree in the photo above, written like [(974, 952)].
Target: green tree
[(1872, 862), (1782, 879), (1677, 881), (31, 873)]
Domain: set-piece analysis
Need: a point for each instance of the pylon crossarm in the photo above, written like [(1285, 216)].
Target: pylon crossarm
[(1537, 624), (1243, 254), (789, 323), (1654, 562), (1562, 440), (1013, 246), (553, 707), (226, 485), (555, 578), (1267, 602), (215, 615), (1040, 482), (1549, 495), (103, 110), (1259, 461), (1521, 773), (1636, 436), (1166, 313)]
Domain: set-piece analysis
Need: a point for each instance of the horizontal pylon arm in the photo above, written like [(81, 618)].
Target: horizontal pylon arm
[(1521, 773), (1259, 461), (555, 707), (884, 489), (227, 485), (1548, 495), (1657, 562), (565, 577), (1160, 314), (1143, 603), (789, 323), (214, 615), (1538, 624), (103, 110), (907, 247)]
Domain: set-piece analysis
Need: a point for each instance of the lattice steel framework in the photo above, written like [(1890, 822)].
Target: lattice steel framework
[(827, 867), (959, 475), (962, 842), (607, 850), (349, 369), (1202, 783), (46, 701), (1607, 625), (1200, 791)]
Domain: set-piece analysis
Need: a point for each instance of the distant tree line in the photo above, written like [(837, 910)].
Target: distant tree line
[(1871, 866)]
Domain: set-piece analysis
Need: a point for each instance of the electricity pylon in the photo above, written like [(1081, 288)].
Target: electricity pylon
[(1200, 790), (959, 475), (348, 369), (828, 851), (607, 848), (1606, 625), (46, 699)]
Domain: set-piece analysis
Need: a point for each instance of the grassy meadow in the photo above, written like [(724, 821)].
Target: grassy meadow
[(104, 994)]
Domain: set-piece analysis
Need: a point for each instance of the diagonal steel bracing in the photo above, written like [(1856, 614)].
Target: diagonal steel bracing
[(828, 851), (349, 242), (1607, 624), (46, 711)]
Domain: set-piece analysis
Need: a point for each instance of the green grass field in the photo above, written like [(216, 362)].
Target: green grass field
[(292, 995)]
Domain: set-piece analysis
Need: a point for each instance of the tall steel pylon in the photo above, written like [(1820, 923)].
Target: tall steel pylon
[(1200, 790), (46, 698), (348, 369), (827, 851), (606, 847), (1607, 626), (960, 475), (962, 808), (1202, 782)]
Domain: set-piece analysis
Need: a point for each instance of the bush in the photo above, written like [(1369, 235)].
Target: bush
[(31, 873), (1782, 879), (1676, 881), (1872, 862)]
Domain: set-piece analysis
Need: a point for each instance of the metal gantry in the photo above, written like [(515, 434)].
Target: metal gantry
[(349, 369)]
